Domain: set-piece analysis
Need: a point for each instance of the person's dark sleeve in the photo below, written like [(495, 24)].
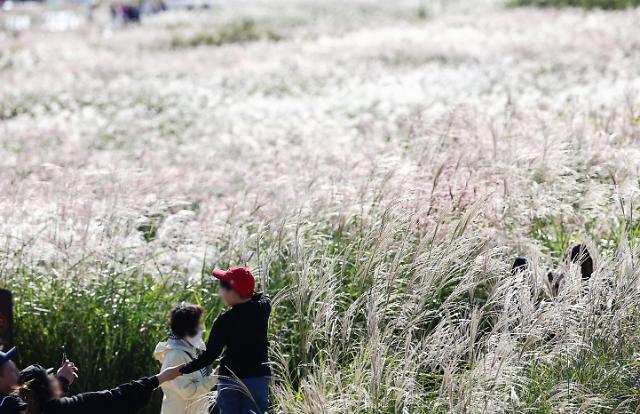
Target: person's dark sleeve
[(215, 345), (126, 399), (64, 384), (11, 404)]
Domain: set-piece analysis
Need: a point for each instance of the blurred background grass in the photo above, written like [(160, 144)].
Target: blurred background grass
[(391, 277)]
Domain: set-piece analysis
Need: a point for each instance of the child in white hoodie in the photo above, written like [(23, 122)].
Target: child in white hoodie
[(185, 394)]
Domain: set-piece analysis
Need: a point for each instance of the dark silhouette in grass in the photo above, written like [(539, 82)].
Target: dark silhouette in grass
[(578, 254)]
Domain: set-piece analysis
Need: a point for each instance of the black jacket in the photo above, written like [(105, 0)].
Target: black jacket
[(11, 404), (242, 332), (125, 399)]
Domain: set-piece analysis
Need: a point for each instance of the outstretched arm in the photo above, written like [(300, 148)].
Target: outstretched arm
[(126, 399), (189, 387), (215, 344)]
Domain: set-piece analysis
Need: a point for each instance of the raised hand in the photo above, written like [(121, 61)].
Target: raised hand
[(68, 371)]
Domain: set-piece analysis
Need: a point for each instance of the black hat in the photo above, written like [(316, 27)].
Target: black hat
[(37, 378), (8, 356), (37, 374)]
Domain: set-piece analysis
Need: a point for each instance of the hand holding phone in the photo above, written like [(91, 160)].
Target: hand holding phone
[(68, 370)]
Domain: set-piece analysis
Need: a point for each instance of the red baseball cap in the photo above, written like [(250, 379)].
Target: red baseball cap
[(239, 278)]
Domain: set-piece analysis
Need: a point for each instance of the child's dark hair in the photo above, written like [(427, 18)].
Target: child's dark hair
[(184, 319), (29, 396)]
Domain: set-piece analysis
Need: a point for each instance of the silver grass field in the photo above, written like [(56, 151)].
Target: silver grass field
[(378, 164)]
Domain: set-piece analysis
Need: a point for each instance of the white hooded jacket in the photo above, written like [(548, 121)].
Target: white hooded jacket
[(183, 395)]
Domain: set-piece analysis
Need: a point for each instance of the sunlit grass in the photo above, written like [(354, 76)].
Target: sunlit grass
[(378, 165)]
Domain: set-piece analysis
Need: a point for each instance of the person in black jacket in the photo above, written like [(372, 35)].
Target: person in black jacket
[(38, 392), (9, 402), (241, 332)]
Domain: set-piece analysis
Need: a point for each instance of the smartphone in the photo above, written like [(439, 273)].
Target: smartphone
[(64, 355)]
